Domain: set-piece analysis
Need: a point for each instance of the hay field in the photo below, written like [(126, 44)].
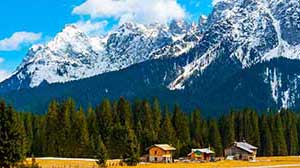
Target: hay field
[(262, 162)]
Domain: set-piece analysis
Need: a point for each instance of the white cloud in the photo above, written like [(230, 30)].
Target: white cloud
[(1, 60), (141, 11), (18, 39), (92, 28), (3, 75)]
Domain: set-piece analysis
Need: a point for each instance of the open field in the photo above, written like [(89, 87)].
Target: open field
[(262, 162)]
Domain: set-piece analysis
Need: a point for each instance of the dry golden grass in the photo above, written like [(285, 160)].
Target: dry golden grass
[(262, 161)]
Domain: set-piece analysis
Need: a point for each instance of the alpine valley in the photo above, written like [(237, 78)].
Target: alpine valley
[(246, 53)]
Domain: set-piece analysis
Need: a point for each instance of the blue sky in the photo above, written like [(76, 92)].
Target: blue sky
[(27, 22)]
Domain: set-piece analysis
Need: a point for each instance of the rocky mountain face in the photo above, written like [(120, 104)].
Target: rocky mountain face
[(239, 35), (246, 53), (72, 55)]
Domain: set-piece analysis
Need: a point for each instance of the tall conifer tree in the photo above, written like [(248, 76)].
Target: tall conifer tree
[(266, 137), (93, 129), (280, 148), (229, 133), (156, 111), (12, 137), (52, 129), (102, 154), (195, 125), (215, 138), (81, 135), (148, 133), (124, 112), (181, 126), (167, 133), (105, 118)]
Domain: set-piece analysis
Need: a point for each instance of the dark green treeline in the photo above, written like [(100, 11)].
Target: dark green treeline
[(124, 127)]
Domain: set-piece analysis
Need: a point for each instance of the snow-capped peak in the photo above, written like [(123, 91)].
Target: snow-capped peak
[(247, 32), (73, 55), (203, 20), (179, 26), (70, 36), (215, 2)]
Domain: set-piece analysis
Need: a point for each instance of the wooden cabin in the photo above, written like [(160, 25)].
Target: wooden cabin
[(161, 153), (201, 154), (241, 151)]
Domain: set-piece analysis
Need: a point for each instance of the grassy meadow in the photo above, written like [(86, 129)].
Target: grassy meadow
[(261, 162)]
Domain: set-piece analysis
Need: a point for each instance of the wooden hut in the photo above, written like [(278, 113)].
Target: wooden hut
[(161, 153), (201, 154), (241, 151)]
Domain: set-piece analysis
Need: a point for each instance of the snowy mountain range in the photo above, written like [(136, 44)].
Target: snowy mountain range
[(245, 53), (72, 55)]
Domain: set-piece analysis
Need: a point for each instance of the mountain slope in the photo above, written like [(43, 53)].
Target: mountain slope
[(251, 87), (247, 32), (72, 55), (244, 54)]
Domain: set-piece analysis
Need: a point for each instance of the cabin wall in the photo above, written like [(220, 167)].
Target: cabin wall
[(238, 154), (155, 151), (159, 155)]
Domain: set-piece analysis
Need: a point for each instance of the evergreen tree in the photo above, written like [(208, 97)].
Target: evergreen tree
[(27, 118), (124, 112), (131, 154), (253, 131), (247, 127), (148, 132), (52, 129), (215, 137), (280, 148), (294, 141), (205, 131), (81, 135), (167, 133), (181, 125), (64, 129), (137, 117), (102, 154), (266, 137), (93, 130), (71, 105), (12, 137), (228, 130), (138, 129), (197, 139), (38, 136), (105, 118), (137, 111), (117, 142), (156, 111), (239, 126), (290, 129)]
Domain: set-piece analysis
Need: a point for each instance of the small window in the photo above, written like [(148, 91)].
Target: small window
[(155, 152)]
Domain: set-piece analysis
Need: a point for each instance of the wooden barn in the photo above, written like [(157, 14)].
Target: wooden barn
[(241, 151), (201, 154), (161, 153)]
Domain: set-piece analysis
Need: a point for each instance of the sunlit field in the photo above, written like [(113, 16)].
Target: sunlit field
[(263, 162)]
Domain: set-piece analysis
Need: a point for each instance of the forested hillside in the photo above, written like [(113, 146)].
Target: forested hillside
[(128, 128)]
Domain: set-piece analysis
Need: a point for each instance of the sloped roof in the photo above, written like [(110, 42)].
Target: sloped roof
[(245, 146), (204, 150), (165, 147)]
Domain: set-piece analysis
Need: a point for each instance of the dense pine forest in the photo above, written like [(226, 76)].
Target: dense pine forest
[(122, 129)]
